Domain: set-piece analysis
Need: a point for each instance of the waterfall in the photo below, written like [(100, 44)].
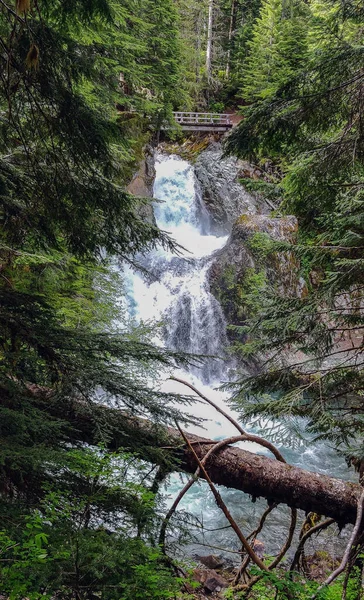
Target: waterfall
[(175, 292)]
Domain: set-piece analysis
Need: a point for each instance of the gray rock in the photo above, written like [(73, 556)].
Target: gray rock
[(236, 259), (142, 183), (210, 561), (224, 197)]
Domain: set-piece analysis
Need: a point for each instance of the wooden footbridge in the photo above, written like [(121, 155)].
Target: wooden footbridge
[(193, 121)]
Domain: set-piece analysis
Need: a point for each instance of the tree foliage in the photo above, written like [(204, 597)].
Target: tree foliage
[(278, 48), (312, 127), (82, 87)]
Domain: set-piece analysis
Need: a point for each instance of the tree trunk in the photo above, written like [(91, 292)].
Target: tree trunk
[(265, 477), (231, 466), (199, 22), (231, 28), (209, 39)]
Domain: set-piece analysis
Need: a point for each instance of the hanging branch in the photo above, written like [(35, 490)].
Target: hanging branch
[(346, 557), (249, 437), (221, 504)]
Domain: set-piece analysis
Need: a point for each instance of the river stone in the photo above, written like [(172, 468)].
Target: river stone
[(210, 561), (224, 197)]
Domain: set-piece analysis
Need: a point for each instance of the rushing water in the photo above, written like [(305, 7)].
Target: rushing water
[(176, 293)]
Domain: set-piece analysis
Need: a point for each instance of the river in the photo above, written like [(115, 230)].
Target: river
[(176, 294)]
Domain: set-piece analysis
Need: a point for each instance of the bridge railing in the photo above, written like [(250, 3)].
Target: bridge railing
[(188, 118)]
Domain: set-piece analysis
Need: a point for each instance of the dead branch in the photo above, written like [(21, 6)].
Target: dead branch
[(221, 504), (346, 556), (304, 538), (249, 437), (232, 467), (253, 535), (189, 484)]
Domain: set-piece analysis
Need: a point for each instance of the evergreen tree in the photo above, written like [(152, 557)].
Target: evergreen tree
[(278, 48), (244, 17), (312, 127), (66, 156)]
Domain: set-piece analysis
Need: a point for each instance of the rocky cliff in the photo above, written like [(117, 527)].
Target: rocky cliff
[(246, 265), (224, 197), (142, 183)]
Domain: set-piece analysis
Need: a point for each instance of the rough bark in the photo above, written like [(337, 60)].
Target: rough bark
[(231, 27), (209, 39), (261, 476), (232, 467)]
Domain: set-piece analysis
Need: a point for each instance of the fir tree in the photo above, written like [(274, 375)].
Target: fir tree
[(312, 128), (278, 48), (66, 156)]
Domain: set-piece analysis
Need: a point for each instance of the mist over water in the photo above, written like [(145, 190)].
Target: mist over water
[(176, 293)]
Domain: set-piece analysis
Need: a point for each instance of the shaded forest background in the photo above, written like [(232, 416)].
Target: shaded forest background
[(84, 86)]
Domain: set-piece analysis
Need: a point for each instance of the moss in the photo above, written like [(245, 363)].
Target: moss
[(239, 295), (189, 147), (250, 290), (264, 189), (260, 245), (243, 219)]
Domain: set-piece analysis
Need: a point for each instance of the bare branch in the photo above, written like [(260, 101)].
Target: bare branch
[(224, 508), (308, 534), (345, 558)]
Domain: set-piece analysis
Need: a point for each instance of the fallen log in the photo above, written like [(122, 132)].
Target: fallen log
[(232, 467), (265, 477)]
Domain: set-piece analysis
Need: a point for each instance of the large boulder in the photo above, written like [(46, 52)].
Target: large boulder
[(243, 264), (224, 197)]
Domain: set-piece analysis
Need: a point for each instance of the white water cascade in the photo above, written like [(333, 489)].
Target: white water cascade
[(176, 294), (176, 291)]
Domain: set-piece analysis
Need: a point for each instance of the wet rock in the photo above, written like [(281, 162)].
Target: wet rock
[(210, 579), (231, 273), (142, 183), (210, 561), (224, 197)]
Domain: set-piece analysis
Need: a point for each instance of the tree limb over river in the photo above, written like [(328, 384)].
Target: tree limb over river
[(232, 467)]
